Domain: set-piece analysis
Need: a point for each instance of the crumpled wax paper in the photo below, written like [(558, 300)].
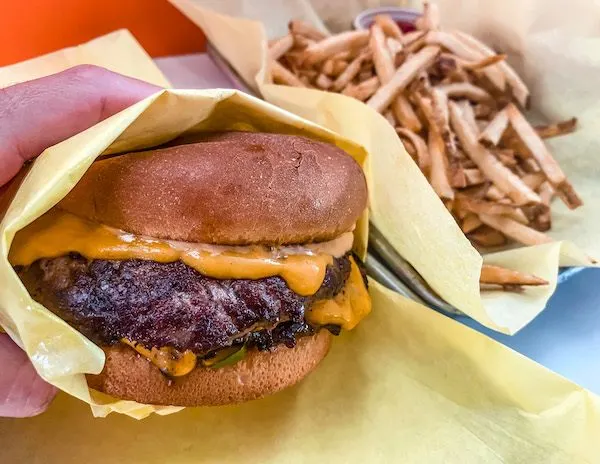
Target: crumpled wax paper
[(560, 57)]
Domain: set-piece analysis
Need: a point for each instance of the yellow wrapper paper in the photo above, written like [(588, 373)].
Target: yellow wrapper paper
[(403, 205), (407, 385)]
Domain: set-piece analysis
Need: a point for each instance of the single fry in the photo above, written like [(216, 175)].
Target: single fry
[(502, 276), (468, 115), (470, 223), (546, 193), (323, 82), (384, 66), (350, 72), (494, 193), (473, 176), (389, 26), (506, 157), (307, 30), (411, 37), (465, 90), (414, 46), (492, 134), (423, 158), (441, 121), (404, 113), (363, 90), (327, 67), (546, 162), (345, 55), (543, 221), (439, 175), (339, 66), (394, 46), (515, 230), (430, 20), (484, 62), (487, 237), (439, 102), (556, 129), (281, 46), (489, 165), (486, 207), (331, 45), (403, 76), (534, 181), (518, 87), (301, 41), (451, 43), (282, 76)]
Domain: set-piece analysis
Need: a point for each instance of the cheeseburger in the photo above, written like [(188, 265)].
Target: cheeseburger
[(210, 273)]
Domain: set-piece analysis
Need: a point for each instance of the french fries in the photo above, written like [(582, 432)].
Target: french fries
[(558, 128), (456, 105), (403, 76), (501, 276), (320, 51)]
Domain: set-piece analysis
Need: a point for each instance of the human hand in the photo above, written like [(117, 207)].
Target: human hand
[(35, 115)]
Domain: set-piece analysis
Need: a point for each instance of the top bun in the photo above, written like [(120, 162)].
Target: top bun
[(232, 188)]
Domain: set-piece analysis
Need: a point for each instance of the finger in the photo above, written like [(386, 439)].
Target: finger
[(23, 393), (37, 114)]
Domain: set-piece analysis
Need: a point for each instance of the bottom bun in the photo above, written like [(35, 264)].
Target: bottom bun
[(127, 375)]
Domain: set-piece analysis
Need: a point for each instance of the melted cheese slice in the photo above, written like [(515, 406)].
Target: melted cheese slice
[(169, 360), (349, 306), (58, 233)]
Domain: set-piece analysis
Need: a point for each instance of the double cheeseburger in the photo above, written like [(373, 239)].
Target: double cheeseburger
[(209, 273)]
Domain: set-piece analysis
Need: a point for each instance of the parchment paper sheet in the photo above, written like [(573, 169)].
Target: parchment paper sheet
[(403, 205), (407, 385)]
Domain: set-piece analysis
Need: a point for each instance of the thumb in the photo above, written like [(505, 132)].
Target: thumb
[(23, 393)]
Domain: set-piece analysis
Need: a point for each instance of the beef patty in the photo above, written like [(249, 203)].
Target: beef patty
[(171, 304)]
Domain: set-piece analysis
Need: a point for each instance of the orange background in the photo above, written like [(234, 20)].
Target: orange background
[(29, 28)]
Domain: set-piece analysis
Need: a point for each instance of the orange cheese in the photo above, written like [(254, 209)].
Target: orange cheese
[(349, 306), (169, 360), (58, 233)]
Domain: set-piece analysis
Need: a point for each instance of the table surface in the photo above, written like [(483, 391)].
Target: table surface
[(564, 338)]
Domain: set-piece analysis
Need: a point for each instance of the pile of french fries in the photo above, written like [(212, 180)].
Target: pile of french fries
[(457, 106), (455, 103)]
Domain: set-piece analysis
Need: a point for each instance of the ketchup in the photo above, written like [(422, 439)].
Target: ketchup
[(406, 26)]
